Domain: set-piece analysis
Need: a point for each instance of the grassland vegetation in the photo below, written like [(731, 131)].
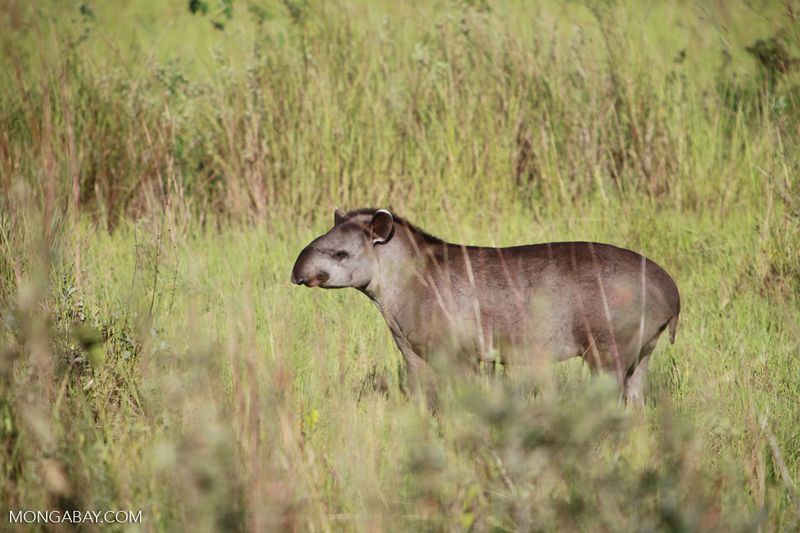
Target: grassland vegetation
[(161, 165)]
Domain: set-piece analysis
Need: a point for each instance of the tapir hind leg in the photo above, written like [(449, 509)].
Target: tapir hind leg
[(636, 380)]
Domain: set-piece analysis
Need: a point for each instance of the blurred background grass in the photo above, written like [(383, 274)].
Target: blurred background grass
[(161, 164)]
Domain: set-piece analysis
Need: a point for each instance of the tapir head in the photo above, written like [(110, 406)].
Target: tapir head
[(346, 255)]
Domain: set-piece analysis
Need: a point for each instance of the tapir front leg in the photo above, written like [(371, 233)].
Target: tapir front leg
[(419, 376)]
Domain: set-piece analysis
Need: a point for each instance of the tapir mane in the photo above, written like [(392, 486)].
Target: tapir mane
[(367, 213)]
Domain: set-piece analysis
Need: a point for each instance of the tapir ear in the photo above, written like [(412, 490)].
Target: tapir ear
[(381, 226), (338, 216)]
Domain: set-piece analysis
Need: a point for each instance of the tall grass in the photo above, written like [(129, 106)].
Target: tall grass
[(159, 171)]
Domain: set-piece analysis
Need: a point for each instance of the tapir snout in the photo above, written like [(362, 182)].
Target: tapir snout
[(304, 272)]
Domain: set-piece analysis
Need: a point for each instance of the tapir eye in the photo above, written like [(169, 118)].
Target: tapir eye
[(341, 254)]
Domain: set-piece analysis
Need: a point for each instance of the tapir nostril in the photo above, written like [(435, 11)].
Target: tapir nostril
[(299, 275), (298, 279)]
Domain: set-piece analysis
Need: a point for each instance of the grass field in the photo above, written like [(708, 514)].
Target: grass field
[(161, 169)]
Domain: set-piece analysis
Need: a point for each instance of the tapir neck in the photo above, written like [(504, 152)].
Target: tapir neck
[(399, 264), (395, 296)]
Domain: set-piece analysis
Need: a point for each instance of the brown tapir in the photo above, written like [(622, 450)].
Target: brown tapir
[(553, 301)]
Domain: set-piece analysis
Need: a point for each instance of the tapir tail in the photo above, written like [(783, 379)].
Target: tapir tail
[(673, 325)]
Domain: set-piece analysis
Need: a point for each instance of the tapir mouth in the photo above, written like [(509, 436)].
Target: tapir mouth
[(318, 280), (313, 281)]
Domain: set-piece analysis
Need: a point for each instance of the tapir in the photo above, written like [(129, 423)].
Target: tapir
[(515, 305)]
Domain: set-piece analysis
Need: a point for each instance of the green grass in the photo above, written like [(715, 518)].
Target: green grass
[(159, 176)]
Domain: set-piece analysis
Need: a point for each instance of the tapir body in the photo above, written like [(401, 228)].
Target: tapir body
[(514, 305)]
